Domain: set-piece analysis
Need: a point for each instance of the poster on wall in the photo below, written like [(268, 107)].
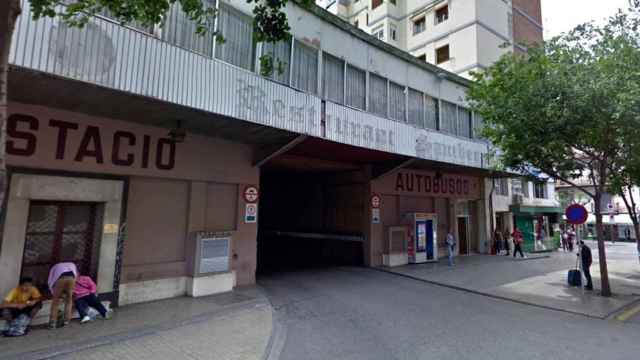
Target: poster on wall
[(251, 213), (375, 216)]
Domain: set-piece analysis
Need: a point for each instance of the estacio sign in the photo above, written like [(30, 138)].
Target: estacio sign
[(423, 183)]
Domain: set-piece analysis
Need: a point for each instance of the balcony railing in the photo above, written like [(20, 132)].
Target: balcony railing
[(122, 58)]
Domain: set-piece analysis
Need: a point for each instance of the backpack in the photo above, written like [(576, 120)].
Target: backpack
[(19, 326)]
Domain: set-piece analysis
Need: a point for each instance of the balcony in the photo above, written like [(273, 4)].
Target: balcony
[(125, 59)]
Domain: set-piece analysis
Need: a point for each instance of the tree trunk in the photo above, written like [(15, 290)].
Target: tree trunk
[(9, 11), (602, 258)]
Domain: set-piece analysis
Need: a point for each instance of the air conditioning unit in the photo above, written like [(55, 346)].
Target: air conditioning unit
[(208, 263), (209, 253), (395, 252)]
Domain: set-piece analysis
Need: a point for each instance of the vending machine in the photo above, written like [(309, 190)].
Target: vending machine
[(422, 245)]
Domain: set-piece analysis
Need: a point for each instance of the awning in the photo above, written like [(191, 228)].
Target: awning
[(535, 210)]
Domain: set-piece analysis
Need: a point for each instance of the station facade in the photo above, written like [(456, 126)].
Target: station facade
[(163, 164)]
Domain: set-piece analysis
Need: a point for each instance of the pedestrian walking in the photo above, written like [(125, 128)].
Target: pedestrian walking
[(507, 247), (62, 280), (517, 242), (451, 245), (571, 234), (627, 234), (564, 239), (585, 255), (497, 240)]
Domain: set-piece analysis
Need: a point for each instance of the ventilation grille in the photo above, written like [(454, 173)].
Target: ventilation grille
[(214, 255)]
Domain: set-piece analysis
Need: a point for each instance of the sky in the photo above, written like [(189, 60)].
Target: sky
[(562, 15)]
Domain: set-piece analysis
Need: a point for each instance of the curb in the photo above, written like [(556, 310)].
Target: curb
[(278, 335), (626, 312), (66, 349), (498, 297)]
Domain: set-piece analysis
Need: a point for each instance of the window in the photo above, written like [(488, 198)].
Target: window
[(442, 54), (379, 34), (378, 95), (442, 14), (237, 29), (419, 25), (397, 102), (464, 122), (422, 57), (501, 186), (478, 124), (356, 87), (179, 30), (375, 3), (449, 117), (539, 190), (416, 108), (431, 112), (304, 71), (392, 32), (333, 80), (280, 53), (516, 186)]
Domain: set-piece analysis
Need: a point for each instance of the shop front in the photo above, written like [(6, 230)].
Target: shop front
[(124, 201), (539, 227), (413, 210)]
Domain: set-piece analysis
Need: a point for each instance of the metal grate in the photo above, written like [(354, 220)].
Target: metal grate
[(59, 231), (214, 255)]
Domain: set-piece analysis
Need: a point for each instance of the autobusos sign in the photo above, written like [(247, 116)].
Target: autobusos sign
[(431, 184)]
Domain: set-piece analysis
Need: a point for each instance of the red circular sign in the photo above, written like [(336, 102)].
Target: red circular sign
[(251, 194), (375, 201), (576, 214)]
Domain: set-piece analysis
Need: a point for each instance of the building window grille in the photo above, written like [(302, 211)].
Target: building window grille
[(378, 95), (449, 117), (432, 112), (304, 70), (237, 30), (464, 122), (280, 54), (179, 30), (416, 111), (397, 102), (333, 80), (356, 87)]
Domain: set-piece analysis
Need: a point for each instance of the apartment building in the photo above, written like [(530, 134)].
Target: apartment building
[(149, 155), (460, 36)]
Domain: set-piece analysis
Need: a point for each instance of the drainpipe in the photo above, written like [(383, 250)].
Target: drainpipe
[(491, 220)]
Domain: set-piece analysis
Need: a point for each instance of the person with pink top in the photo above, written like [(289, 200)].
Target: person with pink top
[(85, 298)]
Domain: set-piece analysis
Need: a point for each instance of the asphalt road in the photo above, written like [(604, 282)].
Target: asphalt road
[(357, 313)]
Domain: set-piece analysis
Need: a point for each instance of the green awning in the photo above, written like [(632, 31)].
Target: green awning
[(535, 210)]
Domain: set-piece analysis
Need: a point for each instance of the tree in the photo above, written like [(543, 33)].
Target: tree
[(269, 24), (564, 108)]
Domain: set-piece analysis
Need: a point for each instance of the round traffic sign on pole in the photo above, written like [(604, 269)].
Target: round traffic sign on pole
[(375, 201), (576, 214), (251, 194)]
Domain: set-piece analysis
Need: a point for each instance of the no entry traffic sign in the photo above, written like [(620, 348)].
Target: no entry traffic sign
[(576, 214), (375, 201), (251, 194)]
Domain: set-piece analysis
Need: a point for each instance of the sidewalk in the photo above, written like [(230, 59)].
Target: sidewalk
[(539, 280), (235, 325)]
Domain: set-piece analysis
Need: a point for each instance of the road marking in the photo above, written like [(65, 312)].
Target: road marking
[(626, 315)]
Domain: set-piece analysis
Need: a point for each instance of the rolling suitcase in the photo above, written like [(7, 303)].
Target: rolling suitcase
[(574, 277)]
